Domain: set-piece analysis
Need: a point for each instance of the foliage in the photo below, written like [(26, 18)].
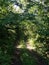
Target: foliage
[(31, 21)]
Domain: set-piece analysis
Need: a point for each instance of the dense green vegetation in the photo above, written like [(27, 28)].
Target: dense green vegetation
[(22, 23)]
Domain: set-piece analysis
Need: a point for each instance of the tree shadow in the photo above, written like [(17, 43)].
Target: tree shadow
[(25, 56)]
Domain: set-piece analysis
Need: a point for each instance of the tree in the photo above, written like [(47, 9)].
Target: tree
[(29, 22)]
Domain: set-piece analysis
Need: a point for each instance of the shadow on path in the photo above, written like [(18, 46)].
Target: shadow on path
[(16, 60)]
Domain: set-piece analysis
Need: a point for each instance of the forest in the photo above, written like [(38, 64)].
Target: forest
[(24, 32)]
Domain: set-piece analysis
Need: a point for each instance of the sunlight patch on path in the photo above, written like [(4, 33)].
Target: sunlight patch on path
[(30, 47)]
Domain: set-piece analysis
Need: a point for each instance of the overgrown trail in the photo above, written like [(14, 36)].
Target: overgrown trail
[(19, 51), (16, 58), (40, 60)]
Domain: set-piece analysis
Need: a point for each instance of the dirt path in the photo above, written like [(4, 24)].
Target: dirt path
[(17, 53)]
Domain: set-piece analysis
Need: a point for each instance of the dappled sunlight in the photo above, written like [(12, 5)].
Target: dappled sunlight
[(21, 44), (30, 44), (24, 32), (17, 9), (30, 47)]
